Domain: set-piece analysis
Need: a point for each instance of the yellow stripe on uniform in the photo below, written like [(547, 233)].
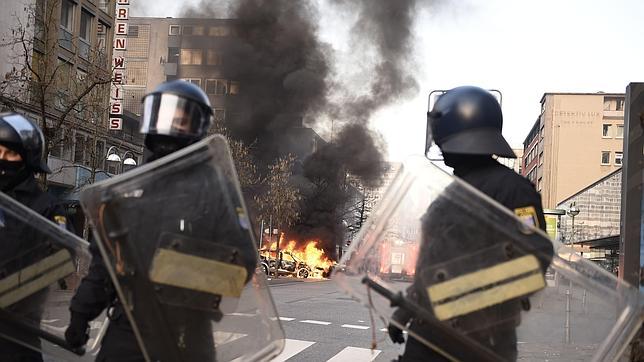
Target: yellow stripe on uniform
[(468, 283)]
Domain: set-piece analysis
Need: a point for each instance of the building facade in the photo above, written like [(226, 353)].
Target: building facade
[(163, 49), (577, 139), (72, 39)]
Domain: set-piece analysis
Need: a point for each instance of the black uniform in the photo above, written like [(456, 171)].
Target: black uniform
[(21, 247), (448, 231), (212, 217)]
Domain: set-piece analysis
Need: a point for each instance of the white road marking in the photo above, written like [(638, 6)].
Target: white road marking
[(315, 322), (291, 348), (226, 337), (351, 354), (383, 329), (354, 326), (286, 319), (242, 314)]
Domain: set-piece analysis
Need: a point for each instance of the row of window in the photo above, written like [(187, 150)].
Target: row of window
[(607, 131), (617, 159), (199, 30), (195, 56), (218, 87), (67, 23), (79, 150), (613, 103)]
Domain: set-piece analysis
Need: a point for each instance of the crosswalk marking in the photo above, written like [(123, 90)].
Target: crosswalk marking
[(315, 322), (354, 326), (286, 319), (291, 348), (226, 337), (351, 354)]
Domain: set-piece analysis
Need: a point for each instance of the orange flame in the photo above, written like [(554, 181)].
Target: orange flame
[(307, 252)]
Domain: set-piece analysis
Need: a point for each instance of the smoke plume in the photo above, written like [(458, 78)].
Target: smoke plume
[(287, 80)]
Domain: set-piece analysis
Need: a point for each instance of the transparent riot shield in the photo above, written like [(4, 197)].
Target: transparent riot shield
[(469, 280), (178, 245), (41, 265)]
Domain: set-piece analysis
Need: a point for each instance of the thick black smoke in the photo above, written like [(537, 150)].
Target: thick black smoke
[(285, 73), (386, 27)]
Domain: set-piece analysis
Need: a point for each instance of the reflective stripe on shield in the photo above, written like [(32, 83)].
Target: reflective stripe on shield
[(35, 277), (196, 273), (486, 287)]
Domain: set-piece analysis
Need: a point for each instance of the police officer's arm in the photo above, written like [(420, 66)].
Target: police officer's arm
[(94, 293), (525, 202)]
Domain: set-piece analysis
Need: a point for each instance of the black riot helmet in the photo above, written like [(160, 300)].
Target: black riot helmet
[(468, 120), (175, 114), (23, 136)]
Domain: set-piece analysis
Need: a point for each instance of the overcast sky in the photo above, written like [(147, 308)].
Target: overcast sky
[(523, 48)]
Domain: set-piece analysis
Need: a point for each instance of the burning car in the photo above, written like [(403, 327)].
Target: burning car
[(288, 264)]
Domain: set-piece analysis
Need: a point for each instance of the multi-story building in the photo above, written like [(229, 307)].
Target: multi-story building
[(161, 49), (576, 140), (193, 49), (74, 37), (515, 164)]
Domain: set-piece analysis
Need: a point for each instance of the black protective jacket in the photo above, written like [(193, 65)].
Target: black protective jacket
[(21, 247), (452, 226)]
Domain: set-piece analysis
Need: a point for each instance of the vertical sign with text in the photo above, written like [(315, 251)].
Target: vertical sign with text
[(118, 64)]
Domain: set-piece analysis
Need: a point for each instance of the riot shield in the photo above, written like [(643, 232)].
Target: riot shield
[(469, 280), (41, 265), (178, 246)]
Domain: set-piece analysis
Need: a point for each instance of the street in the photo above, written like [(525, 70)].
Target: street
[(322, 323)]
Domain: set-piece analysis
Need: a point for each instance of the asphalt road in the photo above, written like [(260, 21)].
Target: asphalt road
[(322, 323)]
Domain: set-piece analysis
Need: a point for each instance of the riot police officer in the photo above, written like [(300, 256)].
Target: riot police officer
[(21, 157), (176, 114), (466, 124)]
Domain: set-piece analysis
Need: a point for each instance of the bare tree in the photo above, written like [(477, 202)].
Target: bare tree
[(60, 93), (280, 201)]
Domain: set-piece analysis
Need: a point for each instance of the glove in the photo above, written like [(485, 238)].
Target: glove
[(396, 334), (77, 333)]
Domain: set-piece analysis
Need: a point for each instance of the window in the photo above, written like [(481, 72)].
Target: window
[(174, 30), (220, 115), (66, 23), (85, 34), (613, 103), (173, 55), (213, 57), (216, 86), (234, 88), (219, 31), (618, 158), (79, 148), (619, 132), (605, 158), (606, 131), (133, 31), (191, 56), (192, 30), (195, 81), (67, 14)]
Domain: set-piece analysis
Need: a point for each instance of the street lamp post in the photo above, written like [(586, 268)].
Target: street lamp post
[(572, 212), (113, 156)]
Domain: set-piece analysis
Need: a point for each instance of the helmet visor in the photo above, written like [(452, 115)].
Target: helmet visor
[(171, 115)]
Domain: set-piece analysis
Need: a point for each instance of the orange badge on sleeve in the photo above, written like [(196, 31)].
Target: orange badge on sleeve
[(528, 215), (60, 220)]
